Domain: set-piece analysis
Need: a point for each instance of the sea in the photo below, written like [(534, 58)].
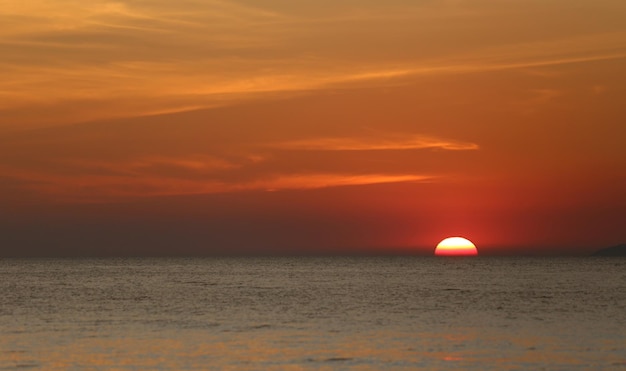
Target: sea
[(313, 313)]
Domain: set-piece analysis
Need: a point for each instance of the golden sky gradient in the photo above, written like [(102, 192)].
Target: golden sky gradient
[(360, 126)]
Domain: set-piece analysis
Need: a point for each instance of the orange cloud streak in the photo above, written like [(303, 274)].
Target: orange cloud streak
[(397, 142), (100, 60), (96, 188)]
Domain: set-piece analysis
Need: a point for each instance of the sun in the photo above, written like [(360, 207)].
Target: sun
[(456, 246)]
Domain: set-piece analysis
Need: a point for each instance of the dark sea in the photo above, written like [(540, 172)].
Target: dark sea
[(305, 313)]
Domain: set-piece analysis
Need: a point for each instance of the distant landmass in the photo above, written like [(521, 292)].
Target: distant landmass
[(619, 250)]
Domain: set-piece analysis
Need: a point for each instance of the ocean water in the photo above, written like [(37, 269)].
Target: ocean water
[(304, 313)]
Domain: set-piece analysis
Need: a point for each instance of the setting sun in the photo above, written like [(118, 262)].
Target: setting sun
[(456, 246)]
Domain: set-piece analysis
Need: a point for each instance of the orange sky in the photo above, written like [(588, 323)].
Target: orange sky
[(201, 127)]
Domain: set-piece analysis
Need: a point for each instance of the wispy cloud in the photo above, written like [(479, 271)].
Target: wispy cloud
[(394, 142), (120, 59), (313, 181), (99, 188), (136, 89), (194, 164)]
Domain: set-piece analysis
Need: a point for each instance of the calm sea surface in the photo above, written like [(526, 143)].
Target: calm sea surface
[(313, 313)]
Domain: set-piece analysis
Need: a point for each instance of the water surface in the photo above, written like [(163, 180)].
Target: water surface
[(313, 313)]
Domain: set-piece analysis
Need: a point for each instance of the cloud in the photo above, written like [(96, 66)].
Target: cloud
[(103, 188), (396, 142), (156, 164), (70, 180), (313, 181), (72, 61)]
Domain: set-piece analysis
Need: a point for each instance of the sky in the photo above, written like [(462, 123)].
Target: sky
[(211, 127)]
